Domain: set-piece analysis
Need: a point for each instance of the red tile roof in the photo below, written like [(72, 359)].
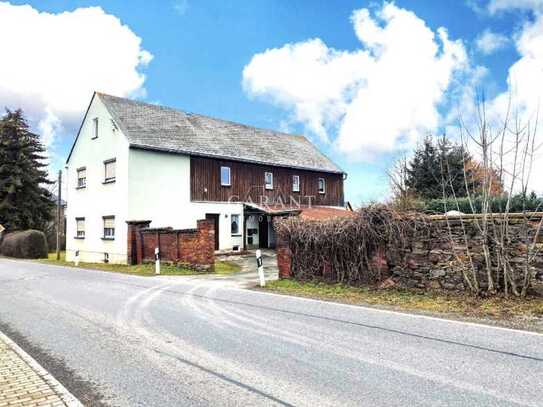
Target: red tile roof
[(323, 213)]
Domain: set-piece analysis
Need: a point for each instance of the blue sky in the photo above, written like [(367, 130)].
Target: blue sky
[(200, 49)]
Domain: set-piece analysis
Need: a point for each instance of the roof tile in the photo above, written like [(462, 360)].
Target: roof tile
[(166, 129)]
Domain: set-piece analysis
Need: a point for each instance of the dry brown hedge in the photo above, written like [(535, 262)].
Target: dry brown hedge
[(343, 249), (27, 244)]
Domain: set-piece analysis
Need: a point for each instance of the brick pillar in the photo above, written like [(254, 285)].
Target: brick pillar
[(134, 226), (206, 237), (284, 258)]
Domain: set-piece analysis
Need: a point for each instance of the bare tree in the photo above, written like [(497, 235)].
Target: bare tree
[(506, 153), (397, 177)]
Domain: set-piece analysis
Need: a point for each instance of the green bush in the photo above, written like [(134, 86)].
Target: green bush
[(518, 203), (27, 244)]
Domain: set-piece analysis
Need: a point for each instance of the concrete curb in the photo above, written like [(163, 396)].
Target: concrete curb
[(68, 398)]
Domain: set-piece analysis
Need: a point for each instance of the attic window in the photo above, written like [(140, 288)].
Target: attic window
[(322, 186), (225, 176), (95, 128), (268, 180), (295, 183)]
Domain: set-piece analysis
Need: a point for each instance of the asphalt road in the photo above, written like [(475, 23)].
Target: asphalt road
[(170, 341)]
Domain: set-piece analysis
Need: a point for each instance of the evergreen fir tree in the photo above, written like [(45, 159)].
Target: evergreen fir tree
[(424, 171), (25, 203), (436, 163)]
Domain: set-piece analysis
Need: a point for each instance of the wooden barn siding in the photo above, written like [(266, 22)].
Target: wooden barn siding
[(248, 181)]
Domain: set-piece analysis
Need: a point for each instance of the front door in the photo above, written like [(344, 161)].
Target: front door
[(263, 231), (215, 218)]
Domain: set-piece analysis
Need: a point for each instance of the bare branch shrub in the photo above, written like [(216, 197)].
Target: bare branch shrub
[(344, 249), (403, 199)]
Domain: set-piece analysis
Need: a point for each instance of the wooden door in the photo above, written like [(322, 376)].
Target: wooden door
[(215, 218)]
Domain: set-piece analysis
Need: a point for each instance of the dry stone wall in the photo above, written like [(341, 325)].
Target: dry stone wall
[(438, 253), (436, 258)]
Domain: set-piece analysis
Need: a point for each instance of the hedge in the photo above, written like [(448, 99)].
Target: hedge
[(27, 244), (518, 203)]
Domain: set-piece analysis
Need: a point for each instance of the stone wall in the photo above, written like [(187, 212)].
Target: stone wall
[(193, 248), (437, 254)]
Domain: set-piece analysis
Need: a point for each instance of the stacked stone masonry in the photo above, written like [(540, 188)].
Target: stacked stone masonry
[(437, 254)]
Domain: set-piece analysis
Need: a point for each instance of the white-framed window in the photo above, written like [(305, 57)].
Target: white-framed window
[(295, 183), (234, 224), (81, 177), (80, 228), (109, 170), (95, 128), (322, 186), (225, 176), (109, 227), (268, 180)]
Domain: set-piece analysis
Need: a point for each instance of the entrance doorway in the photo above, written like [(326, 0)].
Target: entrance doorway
[(263, 232), (215, 218)]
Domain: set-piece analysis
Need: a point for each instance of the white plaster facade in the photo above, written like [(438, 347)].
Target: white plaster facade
[(149, 185)]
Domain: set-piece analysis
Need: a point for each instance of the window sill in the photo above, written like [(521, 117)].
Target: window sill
[(79, 237), (269, 188), (226, 185), (94, 138), (109, 181), (236, 235), (108, 238), (83, 187)]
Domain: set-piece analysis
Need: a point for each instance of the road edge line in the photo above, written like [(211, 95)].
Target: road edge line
[(68, 398), (387, 311)]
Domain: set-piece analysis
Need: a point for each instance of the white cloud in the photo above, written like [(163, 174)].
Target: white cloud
[(521, 99), (489, 42), (377, 99), (49, 126), (495, 6), (52, 63), (525, 76)]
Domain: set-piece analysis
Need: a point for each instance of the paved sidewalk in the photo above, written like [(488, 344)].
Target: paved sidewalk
[(23, 382), (248, 276)]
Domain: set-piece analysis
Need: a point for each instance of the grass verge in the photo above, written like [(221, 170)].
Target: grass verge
[(514, 312), (221, 267)]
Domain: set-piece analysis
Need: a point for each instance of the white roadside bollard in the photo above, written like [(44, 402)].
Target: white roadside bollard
[(260, 267), (157, 261), (76, 258)]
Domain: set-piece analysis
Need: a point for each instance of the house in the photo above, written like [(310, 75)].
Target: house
[(134, 161)]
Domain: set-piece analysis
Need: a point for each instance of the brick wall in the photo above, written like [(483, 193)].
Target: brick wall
[(284, 258), (192, 248)]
